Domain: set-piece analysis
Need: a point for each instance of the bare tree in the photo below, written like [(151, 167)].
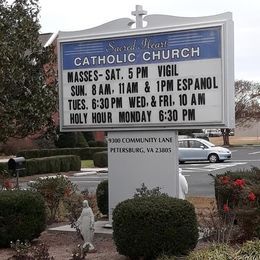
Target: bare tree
[(247, 105), (247, 99), (225, 133)]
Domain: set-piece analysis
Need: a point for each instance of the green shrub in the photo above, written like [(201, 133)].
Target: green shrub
[(89, 136), (165, 257), (216, 227), (239, 192), (151, 226), (3, 167), (66, 140), (81, 141), (54, 164), (22, 216), (65, 166), (75, 163), (73, 206), (249, 250), (214, 252), (84, 153), (97, 144), (4, 175), (145, 192), (24, 251), (227, 190), (54, 190), (102, 197), (100, 159), (71, 140)]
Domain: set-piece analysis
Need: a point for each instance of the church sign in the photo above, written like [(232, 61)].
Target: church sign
[(173, 77), (141, 84)]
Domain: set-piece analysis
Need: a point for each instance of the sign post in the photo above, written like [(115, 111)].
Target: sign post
[(136, 158), (144, 83)]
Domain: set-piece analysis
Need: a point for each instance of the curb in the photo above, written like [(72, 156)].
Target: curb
[(100, 228)]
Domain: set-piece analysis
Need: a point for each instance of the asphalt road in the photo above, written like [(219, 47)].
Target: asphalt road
[(196, 173)]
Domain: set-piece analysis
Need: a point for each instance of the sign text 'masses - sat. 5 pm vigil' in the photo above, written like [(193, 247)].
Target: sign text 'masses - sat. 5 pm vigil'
[(176, 77)]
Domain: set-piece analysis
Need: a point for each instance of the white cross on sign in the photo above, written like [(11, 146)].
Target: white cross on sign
[(138, 13)]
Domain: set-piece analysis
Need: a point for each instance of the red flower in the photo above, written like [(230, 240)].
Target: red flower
[(225, 179), (239, 182), (8, 185), (226, 208), (251, 196)]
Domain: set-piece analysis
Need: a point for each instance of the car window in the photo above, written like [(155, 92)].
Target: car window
[(209, 144), (183, 144), (195, 144)]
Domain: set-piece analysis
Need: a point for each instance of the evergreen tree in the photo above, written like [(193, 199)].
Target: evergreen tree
[(28, 91)]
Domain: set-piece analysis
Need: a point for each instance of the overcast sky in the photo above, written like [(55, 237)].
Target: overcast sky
[(64, 15)]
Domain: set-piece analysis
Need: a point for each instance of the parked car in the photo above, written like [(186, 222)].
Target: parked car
[(200, 135), (213, 132), (232, 132), (195, 149)]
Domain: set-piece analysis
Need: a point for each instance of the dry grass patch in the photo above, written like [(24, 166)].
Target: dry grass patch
[(201, 202), (234, 140)]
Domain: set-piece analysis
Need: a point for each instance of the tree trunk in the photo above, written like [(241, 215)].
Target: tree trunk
[(225, 133)]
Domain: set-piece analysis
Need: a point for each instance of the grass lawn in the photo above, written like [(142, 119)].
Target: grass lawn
[(87, 164)]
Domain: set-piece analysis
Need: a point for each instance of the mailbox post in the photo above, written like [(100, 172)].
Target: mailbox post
[(16, 165)]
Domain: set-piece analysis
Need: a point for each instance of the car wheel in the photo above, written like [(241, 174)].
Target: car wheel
[(213, 158)]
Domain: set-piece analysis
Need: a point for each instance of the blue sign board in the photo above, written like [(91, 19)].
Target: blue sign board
[(185, 45)]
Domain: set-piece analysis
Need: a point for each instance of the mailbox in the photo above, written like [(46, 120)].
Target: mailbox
[(17, 163)]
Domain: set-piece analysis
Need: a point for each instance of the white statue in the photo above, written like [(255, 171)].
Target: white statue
[(86, 223), (183, 185)]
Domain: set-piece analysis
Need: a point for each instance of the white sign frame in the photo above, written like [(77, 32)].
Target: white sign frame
[(157, 24)]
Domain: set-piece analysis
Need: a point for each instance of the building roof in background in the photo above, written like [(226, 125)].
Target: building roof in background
[(47, 38), (44, 37)]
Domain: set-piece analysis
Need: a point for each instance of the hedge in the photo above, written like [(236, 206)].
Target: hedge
[(22, 216), (3, 165), (102, 197), (84, 153), (151, 226), (93, 143), (100, 159), (53, 164)]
